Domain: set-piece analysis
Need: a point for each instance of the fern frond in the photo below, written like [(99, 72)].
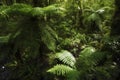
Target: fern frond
[(4, 39), (97, 56), (27, 10), (87, 51), (19, 9), (89, 58), (73, 75), (102, 72), (37, 11), (60, 69), (66, 57), (48, 36), (84, 60)]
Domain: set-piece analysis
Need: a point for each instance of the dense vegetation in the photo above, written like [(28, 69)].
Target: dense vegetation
[(59, 40)]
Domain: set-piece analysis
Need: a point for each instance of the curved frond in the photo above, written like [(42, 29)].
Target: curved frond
[(87, 51), (66, 57), (60, 69)]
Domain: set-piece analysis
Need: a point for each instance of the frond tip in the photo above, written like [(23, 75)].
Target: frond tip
[(66, 57)]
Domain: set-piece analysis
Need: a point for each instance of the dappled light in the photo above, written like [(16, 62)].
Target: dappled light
[(59, 40)]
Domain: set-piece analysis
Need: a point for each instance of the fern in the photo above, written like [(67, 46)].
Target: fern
[(87, 65), (64, 70), (37, 11), (66, 57), (68, 68), (60, 69), (4, 39), (49, 37), (73, 75), (89, 57), (45, 34), (87, 51), (27, 10), (18, 9), (97, 56)]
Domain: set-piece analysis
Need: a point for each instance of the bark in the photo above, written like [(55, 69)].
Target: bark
[(115, 28)]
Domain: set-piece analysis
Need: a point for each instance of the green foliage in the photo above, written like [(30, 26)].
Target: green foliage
[(4, 39), (49, 37), (66, 69), (27, 10), (87, 65), (66, 57), (60, 69), (77, 31)]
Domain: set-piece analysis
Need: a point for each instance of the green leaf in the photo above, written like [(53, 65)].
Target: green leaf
[(66, 57), (60, 69)]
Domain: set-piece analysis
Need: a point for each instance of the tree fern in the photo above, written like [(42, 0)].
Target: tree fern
[(27, 10), (45, 34)]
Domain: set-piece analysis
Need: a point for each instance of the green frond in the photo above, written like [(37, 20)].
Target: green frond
[(21, 5), (93, 17), (60, 69), (89, 58), (3, 12), (97, 56), (54, 9), (19, 9), (102, 72), (88, 51), (66, 57), (4, 39), (37, 11), (27, 10), (50, 8), (49, 36), (73, 75), (84, 60)]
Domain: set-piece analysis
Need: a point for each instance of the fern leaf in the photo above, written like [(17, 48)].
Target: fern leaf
[(66, 57), (87, 51), (97, 57), (89, 58), (27, 10), (73, 75), (37, 11), (60, 69), (19, 9), (48, 38), (4, 39)]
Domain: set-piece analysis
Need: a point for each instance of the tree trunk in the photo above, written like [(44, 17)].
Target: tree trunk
[(115, 28)]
